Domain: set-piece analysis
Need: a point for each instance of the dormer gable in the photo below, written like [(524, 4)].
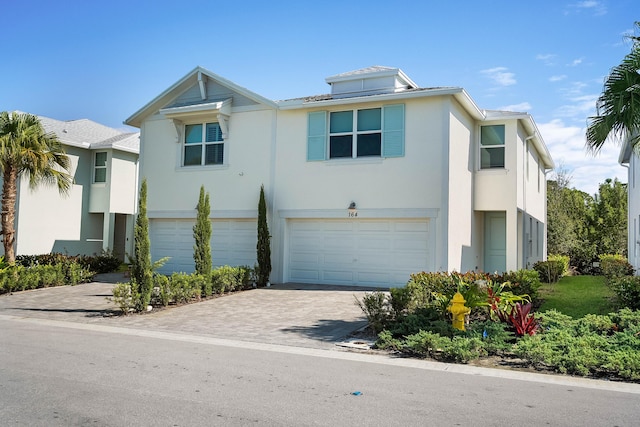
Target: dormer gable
[(369, 81), (199, 93)]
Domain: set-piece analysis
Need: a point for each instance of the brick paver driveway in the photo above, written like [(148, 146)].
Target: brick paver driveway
[(313, 316)]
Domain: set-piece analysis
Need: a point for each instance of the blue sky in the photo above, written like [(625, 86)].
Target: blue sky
[(103, 60)]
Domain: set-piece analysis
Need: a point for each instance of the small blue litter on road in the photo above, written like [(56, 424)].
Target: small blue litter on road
[(356, 393)]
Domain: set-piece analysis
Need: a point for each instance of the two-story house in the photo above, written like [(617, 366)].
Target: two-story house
[(378, 179), (98, 212)]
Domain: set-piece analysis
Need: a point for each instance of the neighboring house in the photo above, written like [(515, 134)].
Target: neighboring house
[(98, 213), (365, 185), (630, 159)]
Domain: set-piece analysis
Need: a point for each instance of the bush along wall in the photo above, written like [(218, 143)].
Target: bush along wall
[(19, 278), (183, 288)]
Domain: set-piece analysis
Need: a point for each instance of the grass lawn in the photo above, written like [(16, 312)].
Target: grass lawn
[(576, 296)]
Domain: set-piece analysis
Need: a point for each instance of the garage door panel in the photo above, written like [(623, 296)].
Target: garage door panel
[(233, 242), (374, 243), (373, 278), (378, 226), (341, 276), (343, 258), (412, 226), (305, 275), (376, 252)]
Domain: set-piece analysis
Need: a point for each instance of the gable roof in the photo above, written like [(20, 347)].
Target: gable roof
[(190, 79), (85, 133)]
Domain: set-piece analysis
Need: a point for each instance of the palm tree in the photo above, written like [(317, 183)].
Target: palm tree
[(618, 106), (26, 149)]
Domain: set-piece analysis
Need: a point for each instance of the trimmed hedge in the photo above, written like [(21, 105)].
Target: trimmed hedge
[(183, 288), (18, 278)]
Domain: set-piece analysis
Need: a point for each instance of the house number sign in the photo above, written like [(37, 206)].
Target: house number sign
[(353, 213)]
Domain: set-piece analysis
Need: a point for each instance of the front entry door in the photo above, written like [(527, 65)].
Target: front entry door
[(495, 242)]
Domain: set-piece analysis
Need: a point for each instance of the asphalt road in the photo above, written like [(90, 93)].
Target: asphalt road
[(68, 374)]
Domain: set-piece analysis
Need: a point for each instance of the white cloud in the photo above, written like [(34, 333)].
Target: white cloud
[(547, 58), (576, 62), (500, 75), (522, 107), (567, 147), (581, 107), (596, 7), (557, 78)]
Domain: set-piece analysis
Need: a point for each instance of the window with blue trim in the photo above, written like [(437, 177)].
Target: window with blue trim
[(203, 145), (350, 134)]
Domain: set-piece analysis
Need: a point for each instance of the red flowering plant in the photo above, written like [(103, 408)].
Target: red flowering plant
[(522, 320)]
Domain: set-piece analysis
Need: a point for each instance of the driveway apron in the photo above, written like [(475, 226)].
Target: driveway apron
[(314, 316)]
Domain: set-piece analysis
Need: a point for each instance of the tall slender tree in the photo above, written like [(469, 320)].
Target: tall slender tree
[(263, 248), (142, 270), (618, 114), (27, 150), (202, 235)]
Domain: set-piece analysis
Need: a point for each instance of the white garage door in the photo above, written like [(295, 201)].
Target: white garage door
[(233, 242), (380, 252)]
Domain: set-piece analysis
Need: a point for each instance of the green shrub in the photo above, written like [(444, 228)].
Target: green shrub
[(564, 259), (161, 294), (496, 337), (523, 282), (627, 290), (594, 345), (19, 278), (549, 271), (615, 266), (229, 279), (183, 288), (457, 349), (123, 297), (106, 262), (375, 306), (399, 300)]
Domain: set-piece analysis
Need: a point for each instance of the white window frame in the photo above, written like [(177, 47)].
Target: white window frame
[(97, 167), (354, 133), (503, 146), (203, 144)]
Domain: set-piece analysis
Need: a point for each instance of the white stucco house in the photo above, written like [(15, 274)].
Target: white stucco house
[(630, 159), (98, 212), (373, 181)]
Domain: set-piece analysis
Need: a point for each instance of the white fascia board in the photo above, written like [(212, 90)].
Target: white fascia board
[(223, 106), (459, 93), (191, 214), (538, 142), (85, 145), (362, 213), (126, 149), (625, 153)]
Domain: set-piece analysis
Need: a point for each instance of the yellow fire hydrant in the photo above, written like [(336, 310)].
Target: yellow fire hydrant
[(458, 311)]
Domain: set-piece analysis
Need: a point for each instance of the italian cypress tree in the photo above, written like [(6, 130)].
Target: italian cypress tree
[(202, 235), (142, 283), (263, 247)]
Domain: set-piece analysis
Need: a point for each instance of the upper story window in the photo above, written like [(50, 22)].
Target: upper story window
[(100, 167), (365, 141), (351, 134), (492, 146), (203, 145)]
